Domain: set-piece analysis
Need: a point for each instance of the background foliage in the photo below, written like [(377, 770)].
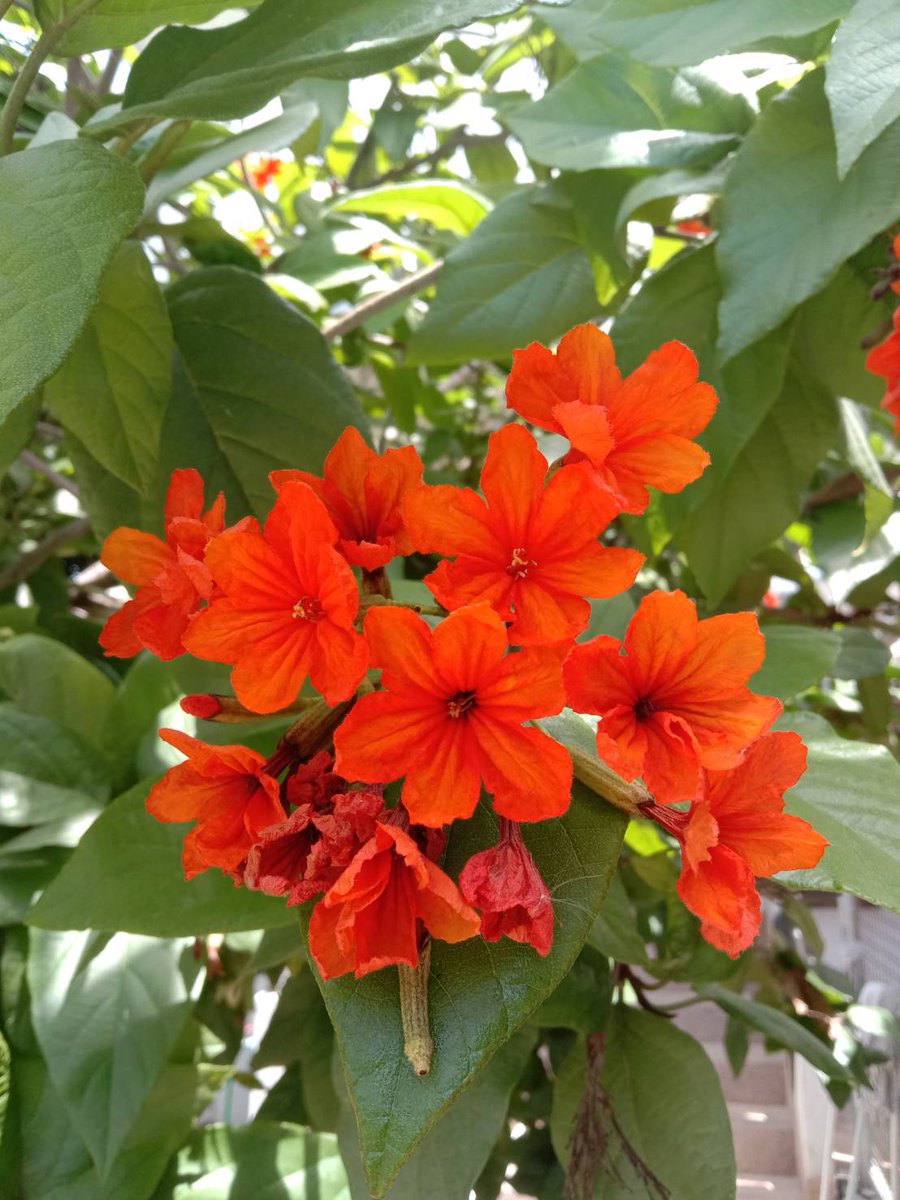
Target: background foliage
[(716, 171)]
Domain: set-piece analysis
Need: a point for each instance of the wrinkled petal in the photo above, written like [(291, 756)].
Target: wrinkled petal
[(448, 520), (400, 642), (184, 497), (537, 384), (513, 482), (528, 685), (587, 428), (443, 910), (382, 733), (135, 556), (722, 893), (330, 957), (529, 774), (597, 677), (468, 648), (588, 357)]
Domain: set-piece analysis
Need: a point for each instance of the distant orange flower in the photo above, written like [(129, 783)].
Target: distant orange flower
[(506, 885), (370, 917), (635, 432), (694, 225), (738, 830), (226, 790), (528, 550), (450, 718), (362, 491), (287, 610), (262, 169), (172, 579), (676, 700), (885, 360)]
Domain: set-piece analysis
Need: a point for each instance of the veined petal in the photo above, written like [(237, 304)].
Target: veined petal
[(337, 661), (663, 396), (546, 615), (468, 648), (448, 520), (671, 768), (537, 384), (529, 685), (597, 677), (401, 644), (443, 910), (573, 514), (380, 735), (184, 497), (722, 893), (660, 639), (251, 573), (587, 355), (331, 958), (298, 526), (135, 556), (513, 483), (472, 581), (443, 780), (588, 429), (724, 726), (667, 462), (596, 571), (727, 651), (529, 774)]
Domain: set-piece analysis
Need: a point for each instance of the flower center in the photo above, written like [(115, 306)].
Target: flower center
[(520, 563), (460, 704), (644, 708), (307, 608)]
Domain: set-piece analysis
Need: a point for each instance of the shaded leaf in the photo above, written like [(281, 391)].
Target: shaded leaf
[(446, 204), (797, 656), (122, 22), (862, 77)]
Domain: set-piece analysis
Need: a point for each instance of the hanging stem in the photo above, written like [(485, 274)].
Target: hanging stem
[(417, 1042), (158, 153), (18, 93)]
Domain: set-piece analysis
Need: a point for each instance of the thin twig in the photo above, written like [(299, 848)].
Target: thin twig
[(158, 154), (457, 140), (369, 308), (37, 464), (105, 82), (18, 571)]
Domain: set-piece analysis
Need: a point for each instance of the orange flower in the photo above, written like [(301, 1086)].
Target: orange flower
[(885, 360), (530, 551), (262, 169), (171, 577), (737, 830), (676, 700), (450, 717), (370, 917), (362, 491), (634, 432), (288, 608), (226, 790), (506, 885), (694, 225)]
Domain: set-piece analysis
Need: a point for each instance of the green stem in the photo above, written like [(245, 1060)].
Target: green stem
[(159, 152), (124, 143), (18, 94), (628, 797)]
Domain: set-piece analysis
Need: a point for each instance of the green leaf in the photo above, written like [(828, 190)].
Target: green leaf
[(16, 430), (615, 932), (122, 22), (760, 494), (666, 1096), (779, 1026), (126, 875), (190, 163), (64, 208), (443, 204), (797, 656), (57, 1165), (113, 387), (210, 73), (480, 993), (521, 275), (258, 388), (47, 769), (147, 688), (107, 1012), (611, 112), (670, 184), (47, 679), (861, 654), (680, 32), (862, 77), (452, 1155), (849, 794), (787, 167), (262, 1161)]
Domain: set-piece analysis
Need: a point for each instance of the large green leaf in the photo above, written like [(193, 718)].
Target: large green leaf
[(16, 430), (57, 1165), (126, 875), (64, 208), (666, 1097), (47, 679), (445, 204), (680, 32), (262, 1161), (797, 656), (452, 1155), (106, 1013), (113, 387), (611, 112), (521, 275), (862, 77), (480, 993), (233, 71), (758, 497), (123, 22), (849, 794), (772, 254), (257, 387), (52, 759)]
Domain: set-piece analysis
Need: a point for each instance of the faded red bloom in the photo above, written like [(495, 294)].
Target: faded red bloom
[(226, 790), (287, 610), (306, 853), (694, 225), (262, 169), (738, 830), (635, 432), (885, 360), (362, 491), (370, 917), (171, 576), (314, 782), (450, 717), (505, 884), (676, 700), (529, 549)]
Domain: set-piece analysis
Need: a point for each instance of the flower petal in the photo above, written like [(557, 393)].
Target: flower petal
[(134, 556), (443, 910), (376, 740), (448, 520), (513, 483), (722, 893), (401, 644), (529, 774), (469, 646), (537, 384), (587, 355)]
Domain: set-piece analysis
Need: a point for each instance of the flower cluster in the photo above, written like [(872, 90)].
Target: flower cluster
[(884, 359), (454, 711)]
